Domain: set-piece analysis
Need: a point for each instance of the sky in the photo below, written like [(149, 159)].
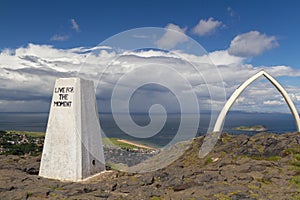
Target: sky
[(44, 40)]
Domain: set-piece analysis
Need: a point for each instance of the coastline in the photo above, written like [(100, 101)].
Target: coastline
[(136, 144), (41, 135)]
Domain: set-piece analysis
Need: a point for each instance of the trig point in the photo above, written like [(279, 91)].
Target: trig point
[(73, 147)]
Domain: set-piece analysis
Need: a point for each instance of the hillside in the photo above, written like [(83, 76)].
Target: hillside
[(264, 166)]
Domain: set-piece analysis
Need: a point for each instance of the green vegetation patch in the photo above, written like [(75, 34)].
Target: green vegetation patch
[(296, 181), (289, 151), (208, 160), (271, 158), (21, 149), (28, 133), (155, 198), (222, 196), (264, 181), (226, 138), (297, 157), (55, 187), (116, 142), (296, 162), (20, 143)]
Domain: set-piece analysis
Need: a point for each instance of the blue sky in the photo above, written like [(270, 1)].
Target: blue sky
[(30, 29), (36, 22)]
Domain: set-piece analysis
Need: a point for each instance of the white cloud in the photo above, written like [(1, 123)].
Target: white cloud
[(206, 27), (224, 58), (27, 74), (273, 102), (174, 35), (281, 70), (75, 25), (57, 37), (251, 44)]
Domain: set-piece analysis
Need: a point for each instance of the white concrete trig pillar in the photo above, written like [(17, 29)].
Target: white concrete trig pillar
[(73, 146)]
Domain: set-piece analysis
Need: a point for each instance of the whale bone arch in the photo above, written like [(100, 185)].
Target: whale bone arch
[(220, 120)]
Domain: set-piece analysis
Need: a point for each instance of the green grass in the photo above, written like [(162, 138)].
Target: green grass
[(296, 161), (114, 141), (297, 157), (296, 181), (296, 167), (253, 187), (226, 138), (29, 194), (28, 133), (28, 147), (55, 187), (155, 198), (264, 181), (295, 150), (222, 196), (21, 149), (208, 160), (271, 158)]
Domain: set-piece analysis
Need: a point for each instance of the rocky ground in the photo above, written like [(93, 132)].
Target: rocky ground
[(264, 166)]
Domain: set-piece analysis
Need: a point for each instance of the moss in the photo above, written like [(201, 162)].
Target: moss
[(253, 187), (254, 195), (296, 181), (289, 151), (55, 187), (234, 192), (260, 148), (29, 194), (133, 178), (155, 198), (295, 163), (264, 181), (226, 138), (271, 158), (295, 169), (222, 197), (191, 159), (223, 154), (297, 157), (208, 160)]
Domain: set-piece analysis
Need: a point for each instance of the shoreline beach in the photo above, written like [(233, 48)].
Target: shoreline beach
[(136, 144)]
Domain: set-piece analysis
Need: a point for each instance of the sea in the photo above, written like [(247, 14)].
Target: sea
[(274, 122)]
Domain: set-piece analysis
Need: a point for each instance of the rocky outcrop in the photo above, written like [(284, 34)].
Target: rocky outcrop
[(264, 166)]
